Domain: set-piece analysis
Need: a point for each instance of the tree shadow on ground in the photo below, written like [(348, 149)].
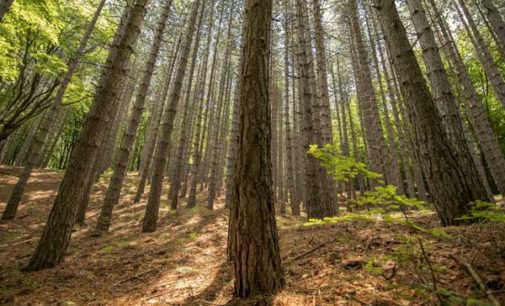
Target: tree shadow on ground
[(212, 291), (255, 301)]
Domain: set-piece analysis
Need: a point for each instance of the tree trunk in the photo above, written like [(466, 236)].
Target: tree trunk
[(202, 115), (40, 136), (495, 20), (483, 52), (113, 192), (376, 144), (152, 140), (312, 197), (257, 262), (445, 101), (482, 126), (153, 203), (5, 5), (220, 121), (447, 184), (175, 185), (56, 236), (391, 150), (290, 152)]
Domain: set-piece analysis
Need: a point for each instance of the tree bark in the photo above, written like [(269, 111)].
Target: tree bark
[(257, 262), (312, 197), (153, 203), (445, 101), (485, 135), (5, 5), (56, 236), (113, 192), (40, 136), (495, 20), (376, 144), (447, 183), (483, 52)]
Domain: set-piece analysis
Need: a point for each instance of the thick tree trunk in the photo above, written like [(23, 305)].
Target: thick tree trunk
[(495, 20), (447, 184), (391, 150), (445, 101), (56, 236), (153, 203), (257, 262), (306, 98), (485, 135)]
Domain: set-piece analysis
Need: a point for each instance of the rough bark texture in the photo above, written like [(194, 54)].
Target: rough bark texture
[(445, 101), (56, 236), (257, 262), (447, 183), (376, 144), (322, 73), (116, 182), (485, 135), (153, 203), (495, 20), (391, 150), (306, 98)]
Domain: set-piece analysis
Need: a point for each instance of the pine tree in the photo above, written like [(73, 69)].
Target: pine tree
[(258, 269), (56, 236)]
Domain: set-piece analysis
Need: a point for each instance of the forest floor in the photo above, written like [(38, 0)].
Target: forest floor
[(184, 262)]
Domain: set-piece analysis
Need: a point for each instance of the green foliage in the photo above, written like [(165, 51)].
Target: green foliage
[(377, 204), (485, 211), (342, 168)]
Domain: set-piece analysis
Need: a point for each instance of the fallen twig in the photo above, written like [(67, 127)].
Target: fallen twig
[(476, 277), (308, 252), (135, 276)]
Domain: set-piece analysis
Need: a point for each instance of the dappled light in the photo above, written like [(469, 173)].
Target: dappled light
[(252, 152)]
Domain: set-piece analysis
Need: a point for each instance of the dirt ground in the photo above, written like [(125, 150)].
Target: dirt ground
[(184, 261)]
